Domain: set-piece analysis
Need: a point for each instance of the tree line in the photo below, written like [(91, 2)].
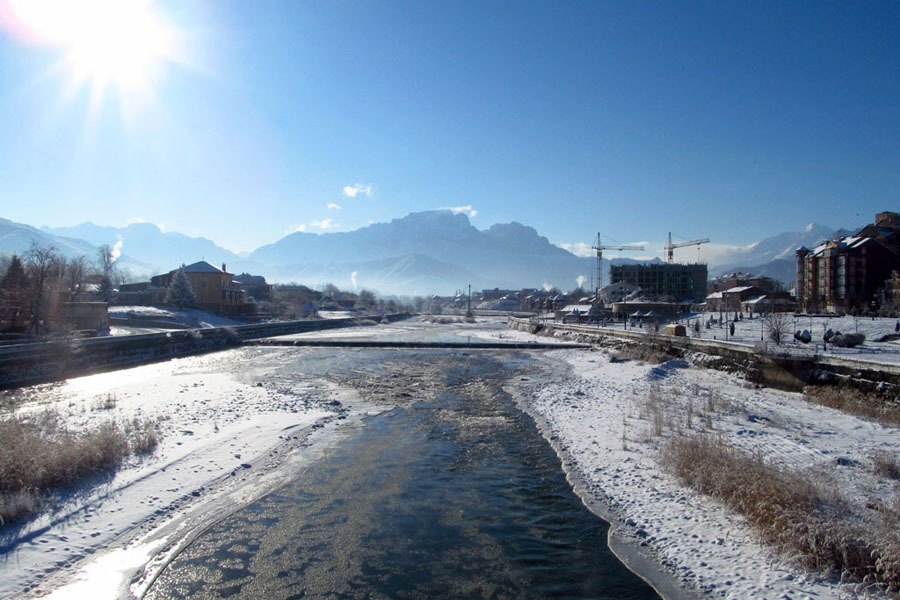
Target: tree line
[(37, 285)]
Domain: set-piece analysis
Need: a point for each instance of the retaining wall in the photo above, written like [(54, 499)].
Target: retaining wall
[(36, 362), (767, 366)]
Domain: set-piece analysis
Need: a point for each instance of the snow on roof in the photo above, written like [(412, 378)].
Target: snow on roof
[(737, 290), (714, 296), (579, 307), (847, 242), (202, 267)]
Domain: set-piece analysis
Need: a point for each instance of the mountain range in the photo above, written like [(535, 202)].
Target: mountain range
[(421, 253)]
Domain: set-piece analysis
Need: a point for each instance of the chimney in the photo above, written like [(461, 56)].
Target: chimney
[(223, 268)]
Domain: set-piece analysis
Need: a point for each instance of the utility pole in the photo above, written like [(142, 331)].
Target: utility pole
[(469, 302)]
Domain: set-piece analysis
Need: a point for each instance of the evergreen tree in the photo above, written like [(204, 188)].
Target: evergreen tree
[(105, 289), (14, 294), (15, 277), (180, 293)]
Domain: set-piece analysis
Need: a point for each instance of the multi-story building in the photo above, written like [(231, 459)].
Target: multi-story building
[(845, 275), (663, 281)]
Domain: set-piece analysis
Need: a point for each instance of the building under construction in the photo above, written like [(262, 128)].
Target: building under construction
[(664, 281)]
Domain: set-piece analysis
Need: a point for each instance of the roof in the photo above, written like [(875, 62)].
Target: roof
[(714, 296), (202, 267), (736, 290), (847, 242), (584, 308)]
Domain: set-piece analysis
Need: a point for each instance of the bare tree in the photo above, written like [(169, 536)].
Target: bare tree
[(365, 300), (330, 290), (75, 271), (778, 325), (44, 268), (107, 264)]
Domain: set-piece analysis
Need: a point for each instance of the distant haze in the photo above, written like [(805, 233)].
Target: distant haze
[(428, 252)]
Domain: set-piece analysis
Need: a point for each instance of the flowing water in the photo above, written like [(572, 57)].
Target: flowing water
[(452, 493)]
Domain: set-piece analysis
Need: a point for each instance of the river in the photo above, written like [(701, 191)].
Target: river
[(452, 492)]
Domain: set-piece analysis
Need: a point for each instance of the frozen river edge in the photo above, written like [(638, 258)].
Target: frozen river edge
[(646, 566), (596, 412)]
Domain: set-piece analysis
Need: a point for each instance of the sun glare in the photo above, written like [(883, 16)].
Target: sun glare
[(106, 42)]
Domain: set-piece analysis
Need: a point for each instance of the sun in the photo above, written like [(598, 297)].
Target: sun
[(124, 43)]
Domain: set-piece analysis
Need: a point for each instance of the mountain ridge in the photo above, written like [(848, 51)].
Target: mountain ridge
[(441, 249)]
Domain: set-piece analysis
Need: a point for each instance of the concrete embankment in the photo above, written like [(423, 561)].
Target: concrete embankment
[(766, 365), (37, 362), (395, 344)]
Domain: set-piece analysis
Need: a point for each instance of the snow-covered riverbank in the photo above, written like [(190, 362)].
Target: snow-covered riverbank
[(230, 429), (609, 420)]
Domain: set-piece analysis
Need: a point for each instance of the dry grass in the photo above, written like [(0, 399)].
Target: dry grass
[(856, 402), (40, 454), (886, 464), (789, 511)]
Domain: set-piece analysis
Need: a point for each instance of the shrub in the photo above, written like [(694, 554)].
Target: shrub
[(642, 352), (788, 511), (40, 454), (856, 402), (885, 464)]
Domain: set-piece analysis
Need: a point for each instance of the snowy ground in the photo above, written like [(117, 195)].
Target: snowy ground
[(224, 412), (601, 422), (230, 430), (190, 317), (753, 331)]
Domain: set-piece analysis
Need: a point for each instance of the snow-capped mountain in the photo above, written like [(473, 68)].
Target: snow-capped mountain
[(425, 252), (773, 255), (508, 255)]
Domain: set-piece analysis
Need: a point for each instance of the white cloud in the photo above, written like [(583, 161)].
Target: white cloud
[(580, 280), (353, 280), (720, 254), (352, 191), (324, 224), (467, 209), (578, 249), (333, 206)]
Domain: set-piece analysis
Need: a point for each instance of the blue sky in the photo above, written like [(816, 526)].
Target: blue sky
[(727, 120)]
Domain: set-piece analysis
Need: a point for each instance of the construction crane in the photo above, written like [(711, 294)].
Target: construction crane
[(670, 247), (600, 248)]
